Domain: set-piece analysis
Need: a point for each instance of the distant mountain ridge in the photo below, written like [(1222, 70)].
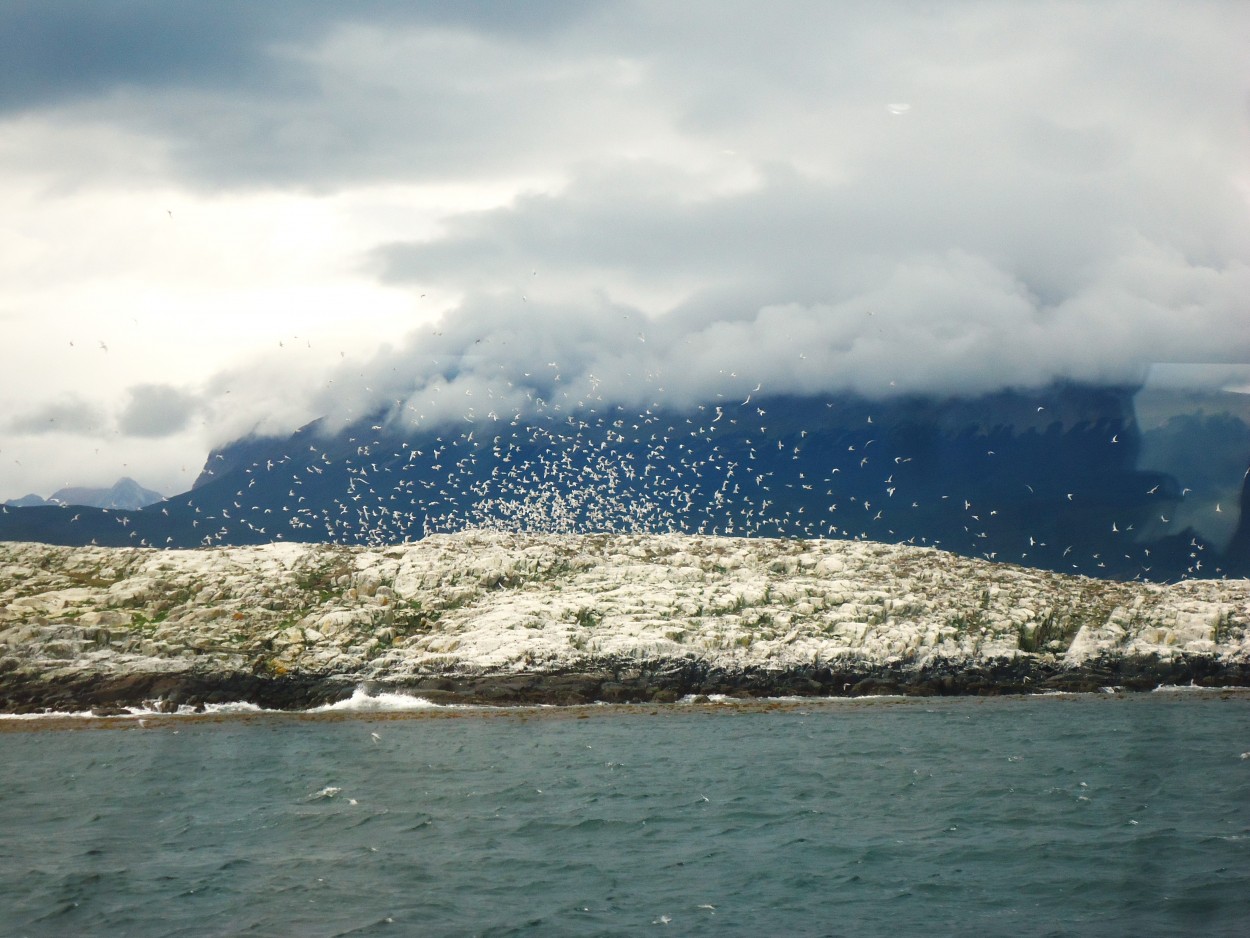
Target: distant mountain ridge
[(125, 494)]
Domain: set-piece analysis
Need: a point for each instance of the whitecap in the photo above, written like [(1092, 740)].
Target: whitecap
[(361, 699), (50, 715), (747, 701), (1190, 688), (234, 706)]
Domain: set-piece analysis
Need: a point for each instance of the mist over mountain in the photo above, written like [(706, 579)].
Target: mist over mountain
[(1096, 480)]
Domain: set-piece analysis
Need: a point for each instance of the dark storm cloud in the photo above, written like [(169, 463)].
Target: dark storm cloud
[(58, 50), (156, 410), (317, 95)]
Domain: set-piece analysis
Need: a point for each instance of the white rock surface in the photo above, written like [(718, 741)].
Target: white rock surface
[(486, 602)]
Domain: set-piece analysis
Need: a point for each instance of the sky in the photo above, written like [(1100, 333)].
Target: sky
[(236, 217)]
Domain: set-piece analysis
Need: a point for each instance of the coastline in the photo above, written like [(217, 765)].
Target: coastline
[(654, 682), (508, 620), (387, 708)]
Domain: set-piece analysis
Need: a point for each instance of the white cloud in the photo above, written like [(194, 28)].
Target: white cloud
[(71, 414), (1065, 195)]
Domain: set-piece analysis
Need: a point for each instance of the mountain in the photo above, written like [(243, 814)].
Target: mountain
[(1104, 481), (27, 501), (125, 493)]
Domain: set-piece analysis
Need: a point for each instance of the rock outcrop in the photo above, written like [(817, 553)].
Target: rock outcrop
[(496, 618)]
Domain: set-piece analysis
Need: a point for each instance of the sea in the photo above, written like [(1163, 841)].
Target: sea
[(1102, 814)]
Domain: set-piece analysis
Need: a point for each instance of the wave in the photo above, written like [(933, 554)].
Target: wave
[(139, 712), (787, 699), (49, 715), (363, 700), (1194, 688)]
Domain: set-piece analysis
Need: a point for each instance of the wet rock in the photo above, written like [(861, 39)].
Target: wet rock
[(109, 712)]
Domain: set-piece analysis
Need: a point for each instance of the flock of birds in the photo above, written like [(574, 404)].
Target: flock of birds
[(580, 463)]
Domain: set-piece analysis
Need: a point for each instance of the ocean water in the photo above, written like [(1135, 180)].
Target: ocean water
[(1062, 815)]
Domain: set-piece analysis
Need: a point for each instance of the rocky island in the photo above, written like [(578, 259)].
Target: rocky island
[(490, 618)]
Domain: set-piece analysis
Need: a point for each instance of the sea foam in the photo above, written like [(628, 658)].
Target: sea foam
[(362, 700)]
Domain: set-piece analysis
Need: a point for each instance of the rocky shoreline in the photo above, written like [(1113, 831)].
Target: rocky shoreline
[(494, 619), (660, 682)]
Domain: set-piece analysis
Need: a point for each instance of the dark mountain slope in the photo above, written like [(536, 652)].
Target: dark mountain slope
[(1053, 479)]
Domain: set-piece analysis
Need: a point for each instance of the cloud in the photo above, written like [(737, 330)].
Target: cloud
[(156, 410), (73, 49), (148, 411), (314, 96), (698, 197), (68, 50), (70, 415), (944, 323), (300, 95), (815, 286)]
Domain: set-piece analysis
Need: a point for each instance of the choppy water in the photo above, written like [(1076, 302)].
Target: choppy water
[(1042, 816)]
